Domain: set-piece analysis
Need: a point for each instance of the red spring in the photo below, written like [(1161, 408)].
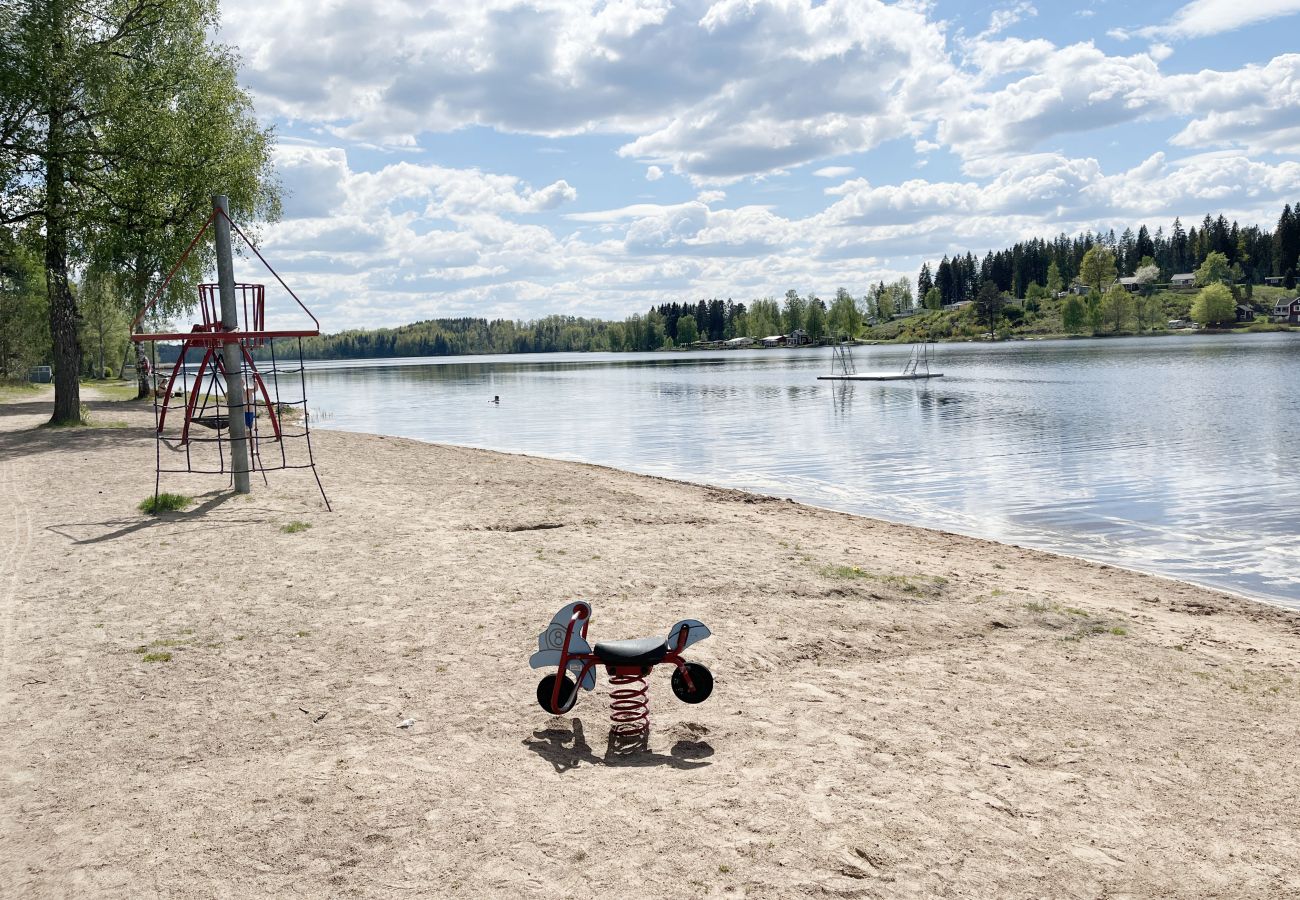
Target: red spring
[(629, 707)]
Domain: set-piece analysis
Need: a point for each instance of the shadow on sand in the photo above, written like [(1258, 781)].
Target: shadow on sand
[(75, 531), (567, 748)]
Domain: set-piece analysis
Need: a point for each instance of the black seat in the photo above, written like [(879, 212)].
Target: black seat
[(636, 652)]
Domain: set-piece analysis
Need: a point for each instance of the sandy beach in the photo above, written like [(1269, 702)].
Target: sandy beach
[(898, 712)]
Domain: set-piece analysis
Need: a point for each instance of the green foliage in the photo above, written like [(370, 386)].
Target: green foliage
[(988, 304), (1214, 305), (1093, 312), (1116, 308), (1055, 284), (295, 527), (845, 319), (119, 120), (815, 321), (687, 332), (24, 321), (1215, 270), (794, 311), (164, 503), (1097, 270), (933, 299)]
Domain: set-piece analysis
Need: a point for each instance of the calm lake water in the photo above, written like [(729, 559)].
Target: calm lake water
[(1177, 455)]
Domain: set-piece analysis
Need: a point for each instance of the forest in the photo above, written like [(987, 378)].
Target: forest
[(1030, 271)]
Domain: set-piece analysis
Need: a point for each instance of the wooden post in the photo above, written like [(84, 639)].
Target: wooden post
[(231, 353)]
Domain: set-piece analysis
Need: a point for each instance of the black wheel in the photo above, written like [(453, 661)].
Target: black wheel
[(701, 677), (568, 690)]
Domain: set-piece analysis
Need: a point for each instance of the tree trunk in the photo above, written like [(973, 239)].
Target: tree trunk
[(141, 290), (63, 306)]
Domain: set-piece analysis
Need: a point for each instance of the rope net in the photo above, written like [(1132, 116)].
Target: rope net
[(192, 412)]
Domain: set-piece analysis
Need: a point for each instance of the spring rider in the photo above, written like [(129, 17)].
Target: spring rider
[(564, 645)]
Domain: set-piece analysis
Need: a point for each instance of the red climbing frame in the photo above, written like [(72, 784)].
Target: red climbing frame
[(211, 335)]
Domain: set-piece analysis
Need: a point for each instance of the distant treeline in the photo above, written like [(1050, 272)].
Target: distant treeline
[(1052, 265), (1255, 253)]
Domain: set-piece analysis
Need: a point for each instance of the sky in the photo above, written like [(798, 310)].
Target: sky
[(521, 159)]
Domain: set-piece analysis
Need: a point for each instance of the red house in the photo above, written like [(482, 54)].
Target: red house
[(1287, 311)]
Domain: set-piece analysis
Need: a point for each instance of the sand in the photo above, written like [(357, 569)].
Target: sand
[(898, 712)]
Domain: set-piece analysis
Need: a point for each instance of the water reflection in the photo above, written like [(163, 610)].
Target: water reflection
[(1170, 454)]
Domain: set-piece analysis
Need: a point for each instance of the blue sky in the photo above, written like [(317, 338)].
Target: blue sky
[(508, 159)]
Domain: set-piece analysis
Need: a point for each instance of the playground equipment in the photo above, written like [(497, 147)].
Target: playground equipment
[(564, 645), (227, 393), (843, 367)]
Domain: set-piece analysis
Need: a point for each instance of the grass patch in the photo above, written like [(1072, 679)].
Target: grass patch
[(20, 389), (164, 503), (1035, 607), (929, 585), (295, 527), (82, 421), (159, 656), (844, 572), (113, 390), (302, 634)]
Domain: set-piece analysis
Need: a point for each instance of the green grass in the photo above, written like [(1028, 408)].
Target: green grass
[(112, 389), (83, 420), (20, 389), (164, 503), (161, 656), (295, 527)]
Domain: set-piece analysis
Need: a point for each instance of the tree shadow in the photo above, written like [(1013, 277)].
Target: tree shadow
[(16, 443), (124, 527), (567, 748)]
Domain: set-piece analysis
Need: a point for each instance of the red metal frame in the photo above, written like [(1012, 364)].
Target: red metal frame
[(582, 613), (211, 338)]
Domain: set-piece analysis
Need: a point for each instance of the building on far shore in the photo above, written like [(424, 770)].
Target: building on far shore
[(774, 340), (1130, 284), (1287, 311), (1184, 279), (739, 343), (797, 338), (1245, 313)]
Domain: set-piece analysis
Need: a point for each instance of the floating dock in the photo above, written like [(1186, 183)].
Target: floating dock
[(880, 376)]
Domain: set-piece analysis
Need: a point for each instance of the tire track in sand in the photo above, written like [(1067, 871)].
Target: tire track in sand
[(20, 543)]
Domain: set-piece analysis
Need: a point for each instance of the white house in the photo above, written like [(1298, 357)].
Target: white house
[(739, 343), (1184, 279)]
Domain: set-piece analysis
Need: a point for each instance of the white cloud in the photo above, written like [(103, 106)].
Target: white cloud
[(752, 88), (756, 89), (1004, 18), (1204, 18)]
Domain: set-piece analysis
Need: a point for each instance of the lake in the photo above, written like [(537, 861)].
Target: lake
[(1178, 455)]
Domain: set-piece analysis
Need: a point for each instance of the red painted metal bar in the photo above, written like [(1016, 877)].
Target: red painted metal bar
[(135, 324), (257, 379), (258, 254), (220, 337), (194, 395), (176, 370)]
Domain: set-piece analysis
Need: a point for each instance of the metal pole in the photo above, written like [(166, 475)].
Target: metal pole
[(231, 352)]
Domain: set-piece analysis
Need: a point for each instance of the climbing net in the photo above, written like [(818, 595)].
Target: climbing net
[(192, 412)]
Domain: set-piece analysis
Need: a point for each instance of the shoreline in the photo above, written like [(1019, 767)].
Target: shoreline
[(1290, 605), (899, 711)]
